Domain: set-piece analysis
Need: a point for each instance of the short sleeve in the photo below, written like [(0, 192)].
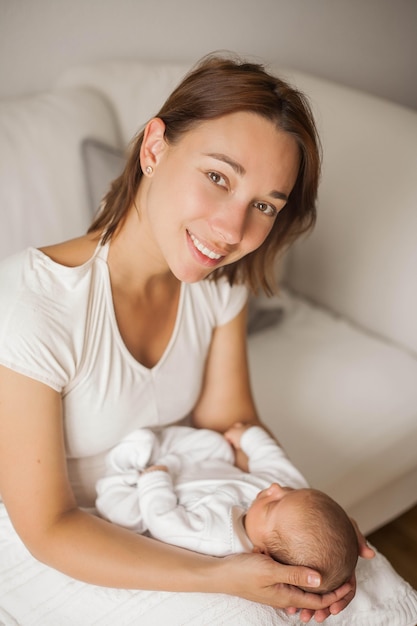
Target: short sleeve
[(33, 325), (226, 301), (237, 298)]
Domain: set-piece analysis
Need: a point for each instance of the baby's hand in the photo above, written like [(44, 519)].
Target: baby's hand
[(155, 468), (234, 434)]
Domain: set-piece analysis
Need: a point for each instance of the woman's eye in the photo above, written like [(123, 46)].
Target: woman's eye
[(217, 179), (266, 209)]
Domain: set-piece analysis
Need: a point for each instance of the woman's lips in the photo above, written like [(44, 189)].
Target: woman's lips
[(203, 249), (205, 253)]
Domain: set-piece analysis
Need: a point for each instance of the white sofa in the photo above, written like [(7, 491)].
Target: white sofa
[(336, 378)]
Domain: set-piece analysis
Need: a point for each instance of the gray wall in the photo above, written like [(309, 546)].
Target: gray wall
[(368, 44)]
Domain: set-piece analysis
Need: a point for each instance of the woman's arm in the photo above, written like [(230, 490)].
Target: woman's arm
[(35, 488), (227, 397), (37, 494)]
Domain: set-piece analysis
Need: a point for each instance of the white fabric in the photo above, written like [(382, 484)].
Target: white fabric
[(360, 261), (200, 504), (57, 325), (32, 594), (43, 197), (342, 402)]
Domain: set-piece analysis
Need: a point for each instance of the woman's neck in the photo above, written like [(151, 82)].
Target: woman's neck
[(135, 262)]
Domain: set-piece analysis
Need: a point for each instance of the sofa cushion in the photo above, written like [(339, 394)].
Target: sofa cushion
[(342, 403), (43, 197)]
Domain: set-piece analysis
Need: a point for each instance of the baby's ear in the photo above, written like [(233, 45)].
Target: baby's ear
[(257, 550)]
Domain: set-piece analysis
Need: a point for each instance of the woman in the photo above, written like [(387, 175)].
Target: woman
[(144, 318)]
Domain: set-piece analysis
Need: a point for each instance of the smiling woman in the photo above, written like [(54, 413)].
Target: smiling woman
[(142, 323), (217, 88)]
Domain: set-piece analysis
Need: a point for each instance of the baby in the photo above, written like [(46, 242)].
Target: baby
[(181, 486)]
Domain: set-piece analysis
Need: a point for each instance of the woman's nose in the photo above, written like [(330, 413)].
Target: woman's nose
[(229, 223)]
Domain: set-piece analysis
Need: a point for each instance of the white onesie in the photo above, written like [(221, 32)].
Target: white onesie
[(201, 502)]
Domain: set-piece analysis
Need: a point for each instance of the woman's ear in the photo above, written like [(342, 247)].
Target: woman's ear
[(153, 144)]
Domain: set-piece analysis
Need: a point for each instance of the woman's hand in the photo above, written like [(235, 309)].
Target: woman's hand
[(259, 578), (366, 552), (320, 615)]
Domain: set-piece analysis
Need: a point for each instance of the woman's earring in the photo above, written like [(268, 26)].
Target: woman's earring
[(149, 170)]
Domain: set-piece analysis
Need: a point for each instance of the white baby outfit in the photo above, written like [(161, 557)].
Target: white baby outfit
[(201, 502)]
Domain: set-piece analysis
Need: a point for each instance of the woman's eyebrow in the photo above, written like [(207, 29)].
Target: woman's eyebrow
[(240, 170), (279, 195)]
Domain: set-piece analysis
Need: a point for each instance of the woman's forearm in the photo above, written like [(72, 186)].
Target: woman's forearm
[(95, 551), (90, 549)]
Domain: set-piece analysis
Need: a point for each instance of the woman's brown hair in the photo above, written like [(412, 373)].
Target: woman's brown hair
[(219, 86)]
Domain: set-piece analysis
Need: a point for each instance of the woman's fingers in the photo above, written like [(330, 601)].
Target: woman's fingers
[(342, 604), (258, 577), (365, 550), (298, 576), (322, 614)]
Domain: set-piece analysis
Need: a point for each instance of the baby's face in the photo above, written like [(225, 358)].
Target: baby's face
[(272, 507)]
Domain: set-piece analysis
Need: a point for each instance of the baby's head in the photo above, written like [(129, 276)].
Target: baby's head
[(304, 527)]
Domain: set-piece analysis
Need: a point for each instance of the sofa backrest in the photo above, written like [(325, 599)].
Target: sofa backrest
[(136, 89), (361, 259), (43, 194)]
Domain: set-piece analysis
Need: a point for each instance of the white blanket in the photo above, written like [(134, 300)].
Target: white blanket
[(32, 594)]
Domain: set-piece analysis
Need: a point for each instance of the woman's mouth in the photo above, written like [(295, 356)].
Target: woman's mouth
[(210, 254)]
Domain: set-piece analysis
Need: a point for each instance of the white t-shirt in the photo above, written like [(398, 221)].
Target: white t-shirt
[(58, 326)]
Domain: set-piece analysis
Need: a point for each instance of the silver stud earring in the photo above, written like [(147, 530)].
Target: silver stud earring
[(149, 170)]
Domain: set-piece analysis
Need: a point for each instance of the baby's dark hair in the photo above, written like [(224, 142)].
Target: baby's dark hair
[(321, 536)]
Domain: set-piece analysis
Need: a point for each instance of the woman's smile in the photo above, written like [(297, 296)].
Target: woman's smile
[(204, 250)]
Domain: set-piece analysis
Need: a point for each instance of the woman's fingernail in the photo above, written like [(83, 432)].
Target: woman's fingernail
[(313, 580)]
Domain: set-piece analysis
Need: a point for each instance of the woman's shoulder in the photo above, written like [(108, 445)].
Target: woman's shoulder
[(42, 270), (43, 295), (45, 275), (73, 253)]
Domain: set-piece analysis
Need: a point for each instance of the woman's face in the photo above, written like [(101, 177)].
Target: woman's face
[(214, 195)]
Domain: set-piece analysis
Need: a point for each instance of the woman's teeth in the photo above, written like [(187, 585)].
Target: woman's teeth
[(209, 253)]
